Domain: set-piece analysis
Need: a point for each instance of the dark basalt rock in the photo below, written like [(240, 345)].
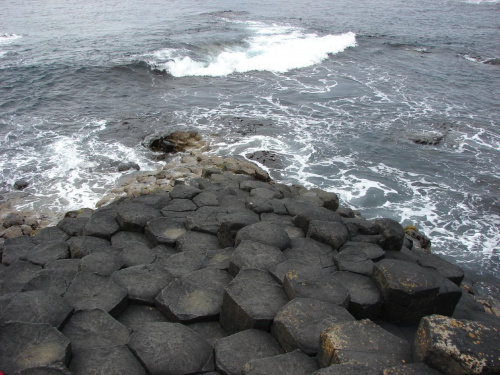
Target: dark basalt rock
[(411, 369), (233, 352), (303, 219), (354, 260), (230, 224), (49, 281), (16, 248), (251, 300), (93, 329), (298, 325), (21, 184), (197, 241), (165, 230), (142, 282), (270, 159), (111, 361), (372, 251), (102, 224), (46, 370), (206, 198), (91, 291), (183, 263), (392, 232), (35, 307), (122, 238), (196, 296), (410, 292), (294, 363), (366, 298), (219, 259), (155, 200), (249, 185), (295, 206), (135, 254), (65, 266), (122, 167), (279, 271), (206, 219), (331, 233), (101, 263), (361, 226), (319, 285), (184, 192), (449, 270), (265, 193), (135, 316), (133, 217), (210, 331), (311, 252), (85, 245), (73, 226), (259, 205), (179, 205), (47, 252), (265, 233), (171, 348), (348, 369), (455, 346), (14, 277), (346, 342), (430, 139), (27, 345), (254, 255)]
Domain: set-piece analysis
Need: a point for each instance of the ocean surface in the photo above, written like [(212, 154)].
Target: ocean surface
[(338, 90)]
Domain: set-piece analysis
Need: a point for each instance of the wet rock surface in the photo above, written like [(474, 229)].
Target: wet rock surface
[(201, 270)]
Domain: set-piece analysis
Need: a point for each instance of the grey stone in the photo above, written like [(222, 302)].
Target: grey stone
[(354, 260), (372, 251), (251, 344), (303, 219), (101, 263), (50, 281), (259, 205), (265, 233), (206, 198), (85, 245), (254, 255), (165, 230), (210, 331), (122, 238), (14, 277), (206, 219), (410, 292), (26, 345), (366, 298), (171, 348), (110, 361), (12, 219), (348, 369), (411, 369), (35, 307), (298, 325), (135, 316), (265, 193), (156, 200), (94, 328), (331, 233), (73, 226), (230, 224), (346, 342), (50, 234), (249, 185), (184, 263), (447, 269), (122, 167), (314, 284), (392, 232), (43, 253), (136, 253), (142, 282), (133, 217), (196, 296), (46, 370), (279, 271), (184, 192), (70, 266), (16, 248), (360, 226), (91, 291), (197, 241), (102, 224), (220, 258), (179, 205), (456, 347), (294, 363), (251, 301)]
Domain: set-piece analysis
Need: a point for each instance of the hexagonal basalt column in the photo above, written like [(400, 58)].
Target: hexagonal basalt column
[(251, 301)]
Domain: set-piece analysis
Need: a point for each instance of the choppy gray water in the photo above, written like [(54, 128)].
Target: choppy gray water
[(337, 90)]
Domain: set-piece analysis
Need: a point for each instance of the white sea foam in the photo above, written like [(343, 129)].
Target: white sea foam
[(8, 38), (269, 48)]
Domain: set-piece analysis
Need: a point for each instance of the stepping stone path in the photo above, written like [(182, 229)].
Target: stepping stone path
[(226, 274)]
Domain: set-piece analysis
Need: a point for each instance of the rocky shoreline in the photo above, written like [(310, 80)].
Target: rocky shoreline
[(207, 266)]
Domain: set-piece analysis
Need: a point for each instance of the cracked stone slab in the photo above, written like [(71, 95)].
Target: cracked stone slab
[(354, 260), (47, 252), (298, 325), (392, 232), (50, 281), (122, 238), (50, 234), (211, 331), (136, 253), (35, 307), (197, 241), (27, 345), (346, 342), (14, 277), (183, 263), (331, 233), (85, 245), (91, 291), (196, 296), (184, 192), (101, 263), (179, 205), (143, 282), (303, 219), (251, 300), (279, 271), (458, 347), (94, 328), (102, 224), (171, 348), (294, 363), (133, 217), (15, 248), (372, 251), (233, 352), (231, 223), (111, 361), (164, 230)]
